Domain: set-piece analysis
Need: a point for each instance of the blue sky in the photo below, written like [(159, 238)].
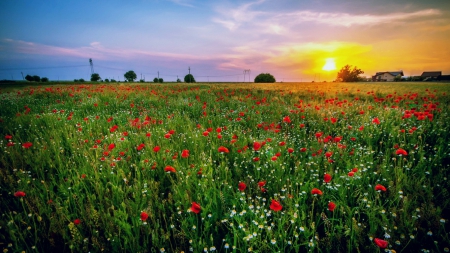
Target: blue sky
[(290, 39)]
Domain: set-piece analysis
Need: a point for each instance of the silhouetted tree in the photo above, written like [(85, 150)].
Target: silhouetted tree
[(264, 78), (95, 77), (346, 74), (189, 78), (130, 76)]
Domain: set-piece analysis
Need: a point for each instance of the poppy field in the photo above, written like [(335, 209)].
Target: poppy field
[(297, 167)]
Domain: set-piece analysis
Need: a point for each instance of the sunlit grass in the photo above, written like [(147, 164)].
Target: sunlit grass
[(225, 167)]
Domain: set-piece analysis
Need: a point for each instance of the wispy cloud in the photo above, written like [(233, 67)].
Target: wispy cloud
[(233, 18), (347, 20)]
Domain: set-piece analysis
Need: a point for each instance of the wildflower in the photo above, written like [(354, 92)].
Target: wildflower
[(169, 168), (27, 145), (185, 153), (156, 149), (144, 216), (287, 119), (167, 136), (381, 243), (223, 149), (205, 133), (327, 178), (256, 146), (242, 186), (331, 206), (140, 147), (328, 154), (376, 121), (275, 206), (195, 207), (315, 191), (351, 174), (401, 151), (111, 146), (8, 137), (19, 194), (379, 187), (290, 150), (77, 222)]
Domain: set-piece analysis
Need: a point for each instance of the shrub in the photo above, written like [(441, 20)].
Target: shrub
[(44, 79), (264, 78), (160, 80), (95, 77), (189, 78), (106, 80)]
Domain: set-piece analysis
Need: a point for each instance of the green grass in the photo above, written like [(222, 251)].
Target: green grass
[(84, 194)]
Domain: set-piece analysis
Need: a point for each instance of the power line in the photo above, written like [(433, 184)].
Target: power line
[(55, 67)]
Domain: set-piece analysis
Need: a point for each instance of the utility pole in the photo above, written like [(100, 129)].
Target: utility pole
[(158, 74), (247, 71), (92, 65), (22, 76)]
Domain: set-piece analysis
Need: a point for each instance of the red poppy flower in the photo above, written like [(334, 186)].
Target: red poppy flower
[(77, 222), (287, 119), (171, 131), (206, 133), (195, 207), (275, 206), (303, 150), (169, 168), (256, 159), (351, 174), (262, 183), (380, 187), (282, 143), (381, 243), (156, 149), (223, 149), (185, 153), (328, 154), (10, 144), (219, 136), (140, 147), (19, 194), (256, 145), (8, 137), (302, 125), (290, 150), (219, 130), (327, 178), (355, 170), (144, 216), (401, 151), (111, 146), (27, 145), (376, 121), (274, 158), (242, 186), (167, 136), (316, 191), (331, 206)]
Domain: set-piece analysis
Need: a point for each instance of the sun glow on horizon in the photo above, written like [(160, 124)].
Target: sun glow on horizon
[(329, 64)]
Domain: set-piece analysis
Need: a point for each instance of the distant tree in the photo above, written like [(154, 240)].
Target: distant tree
[(141, 80), (130, 76), (95, 77), (160, 80), (106, 80), (44, 79), (264, 78), (113, 80), (178, 80), (36, 78), (81, 80), (155, 80), (346, 74), (29, 78), (189, 78), (75, 80), (398, 78)]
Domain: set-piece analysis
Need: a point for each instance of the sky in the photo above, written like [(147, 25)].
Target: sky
[(294, 40)]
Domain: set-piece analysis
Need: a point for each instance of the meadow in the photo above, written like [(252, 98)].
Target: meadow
[(285, 167)]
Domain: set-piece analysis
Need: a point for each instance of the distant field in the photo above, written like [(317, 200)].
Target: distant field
[(225, 167)]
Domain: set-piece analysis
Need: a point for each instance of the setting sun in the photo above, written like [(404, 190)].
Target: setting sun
[(329, 64)]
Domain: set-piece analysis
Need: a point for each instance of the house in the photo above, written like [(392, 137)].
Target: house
[(387, 76), (431, 75)]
